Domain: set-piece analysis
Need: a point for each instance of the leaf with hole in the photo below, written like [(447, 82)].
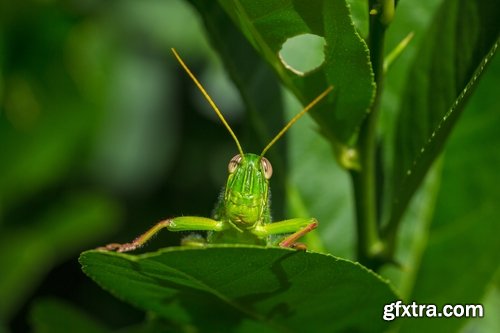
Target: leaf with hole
[(273, 27)]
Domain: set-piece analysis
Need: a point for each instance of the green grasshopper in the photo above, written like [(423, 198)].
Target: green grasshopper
[(242, 214)]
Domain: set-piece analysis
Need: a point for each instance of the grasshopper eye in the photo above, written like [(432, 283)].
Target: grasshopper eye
[(233, 163), (267, 167)]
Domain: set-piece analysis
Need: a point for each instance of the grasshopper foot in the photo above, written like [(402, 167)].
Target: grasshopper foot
[(118, 247), (299, 246)]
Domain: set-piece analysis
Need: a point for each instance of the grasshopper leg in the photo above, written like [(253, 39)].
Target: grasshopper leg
[(298, 227), (291, 241), (183, 223)]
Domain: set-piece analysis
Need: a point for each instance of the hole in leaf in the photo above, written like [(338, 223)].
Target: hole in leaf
[(303, 53)]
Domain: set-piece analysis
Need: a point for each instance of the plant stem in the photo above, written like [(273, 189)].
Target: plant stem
[(369, 246)]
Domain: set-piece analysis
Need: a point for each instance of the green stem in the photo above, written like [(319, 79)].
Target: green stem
[(364, 180)]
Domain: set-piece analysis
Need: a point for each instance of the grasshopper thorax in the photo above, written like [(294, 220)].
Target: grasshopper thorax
[(247, 189)]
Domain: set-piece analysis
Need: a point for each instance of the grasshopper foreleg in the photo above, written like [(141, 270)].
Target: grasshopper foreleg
[(298, 227), (184, 223), (291, 241)]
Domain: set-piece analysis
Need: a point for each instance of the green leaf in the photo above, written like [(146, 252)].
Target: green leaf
[(220, 286), (463, 252), (446, 70), (360, 15), (269, 24)]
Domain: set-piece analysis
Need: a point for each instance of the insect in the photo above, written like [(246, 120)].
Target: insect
[(242, 214)]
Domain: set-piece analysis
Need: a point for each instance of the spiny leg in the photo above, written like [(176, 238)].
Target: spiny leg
[(298, 226), (183, 223), (291, 241), (138, 241)]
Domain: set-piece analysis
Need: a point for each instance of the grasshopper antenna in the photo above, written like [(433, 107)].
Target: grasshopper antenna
[(297, 117), (210, 101)]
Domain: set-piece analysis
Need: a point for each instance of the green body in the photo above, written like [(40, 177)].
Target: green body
[(244, 204)]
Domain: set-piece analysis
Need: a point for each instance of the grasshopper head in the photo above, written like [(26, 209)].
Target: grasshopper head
[(247, 188)]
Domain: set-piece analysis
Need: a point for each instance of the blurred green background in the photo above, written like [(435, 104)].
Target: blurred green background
[(101, 135)]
